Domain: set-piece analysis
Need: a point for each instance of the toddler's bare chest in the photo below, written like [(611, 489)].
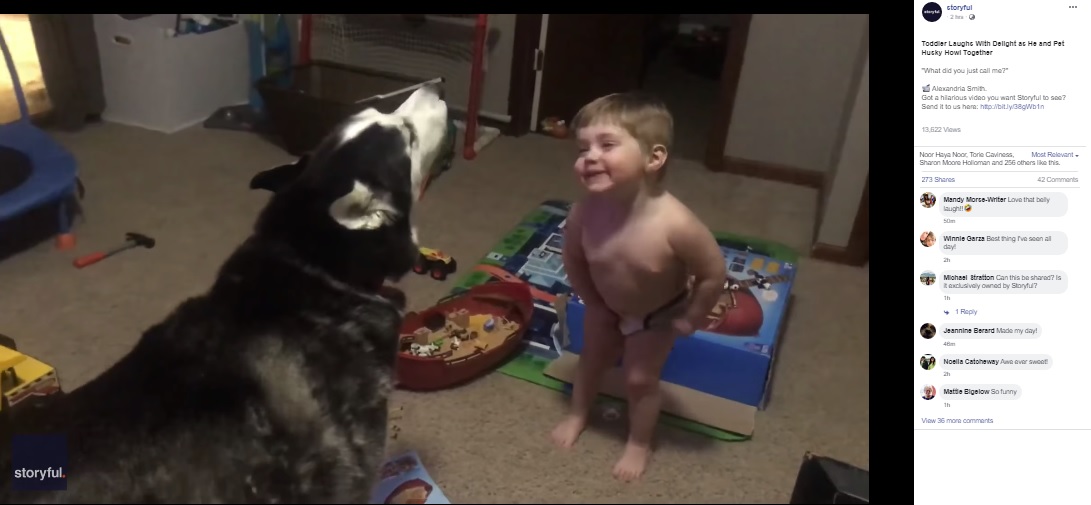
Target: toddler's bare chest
[(630, 251)]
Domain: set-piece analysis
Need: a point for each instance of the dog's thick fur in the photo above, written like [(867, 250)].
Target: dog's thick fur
[(272, 386)]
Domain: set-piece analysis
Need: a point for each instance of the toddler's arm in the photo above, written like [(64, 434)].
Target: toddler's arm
[(575, 263), (701, 254)]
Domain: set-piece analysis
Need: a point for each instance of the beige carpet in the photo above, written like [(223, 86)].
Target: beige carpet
[(486, 442)]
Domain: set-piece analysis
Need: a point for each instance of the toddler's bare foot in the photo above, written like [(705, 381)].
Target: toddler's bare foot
[(568, 431), (632, 463)]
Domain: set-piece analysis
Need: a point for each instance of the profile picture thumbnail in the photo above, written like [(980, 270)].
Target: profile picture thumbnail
[(928, 330), (928, 362), (928, 200), (928, 239), (932, 12), (928, 392), (928, 278)]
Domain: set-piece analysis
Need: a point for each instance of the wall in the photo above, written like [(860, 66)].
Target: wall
[(494, 94), (846, 185), (494, 97), (796, 76)]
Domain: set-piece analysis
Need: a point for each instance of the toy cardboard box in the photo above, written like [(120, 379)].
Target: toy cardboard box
[(403, 479), (720, 375)]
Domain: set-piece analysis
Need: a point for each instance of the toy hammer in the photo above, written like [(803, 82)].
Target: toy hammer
[(131, 240)]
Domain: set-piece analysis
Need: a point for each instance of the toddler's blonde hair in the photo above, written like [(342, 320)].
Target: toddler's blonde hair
[(644, 116)]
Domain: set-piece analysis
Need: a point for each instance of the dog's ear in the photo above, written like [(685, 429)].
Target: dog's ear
[(277, 178)]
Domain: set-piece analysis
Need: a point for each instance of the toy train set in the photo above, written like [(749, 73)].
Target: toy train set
[(463, 337)]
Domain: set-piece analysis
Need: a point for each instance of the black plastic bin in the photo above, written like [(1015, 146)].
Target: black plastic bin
[(827, 480), (305, 102)]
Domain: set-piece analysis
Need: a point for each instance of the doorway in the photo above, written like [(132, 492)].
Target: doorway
[(691, 61), (24, 54)]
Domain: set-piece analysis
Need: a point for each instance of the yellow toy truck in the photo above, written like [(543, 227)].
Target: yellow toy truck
[(23, 378), (435, 263)]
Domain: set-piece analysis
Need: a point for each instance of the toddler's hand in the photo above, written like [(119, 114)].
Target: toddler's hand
[(682, 327)]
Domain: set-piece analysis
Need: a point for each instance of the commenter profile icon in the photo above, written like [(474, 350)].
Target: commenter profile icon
[(932, 12)]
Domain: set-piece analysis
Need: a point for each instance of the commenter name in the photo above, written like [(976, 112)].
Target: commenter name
[(975, 329), (971, 277), (970, 361), (971, 391)]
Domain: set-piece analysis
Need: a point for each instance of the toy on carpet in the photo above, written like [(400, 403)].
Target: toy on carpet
[(463, 336), (403, 479), (38, 173), (23, 380), (435, 263), (132, 240), (555, 127)]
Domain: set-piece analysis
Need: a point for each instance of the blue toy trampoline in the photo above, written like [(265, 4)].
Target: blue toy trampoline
[(38, 180)]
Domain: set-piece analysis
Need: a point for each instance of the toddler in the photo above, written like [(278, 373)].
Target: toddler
[(647, 269)]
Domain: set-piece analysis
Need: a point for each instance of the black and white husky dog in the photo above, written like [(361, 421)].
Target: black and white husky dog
[(271, 387)]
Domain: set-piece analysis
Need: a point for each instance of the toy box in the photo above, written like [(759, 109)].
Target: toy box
[(720, 375), (169, 83), (403, 479)]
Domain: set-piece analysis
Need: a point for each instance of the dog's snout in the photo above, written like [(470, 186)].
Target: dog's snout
[(434, 88)]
